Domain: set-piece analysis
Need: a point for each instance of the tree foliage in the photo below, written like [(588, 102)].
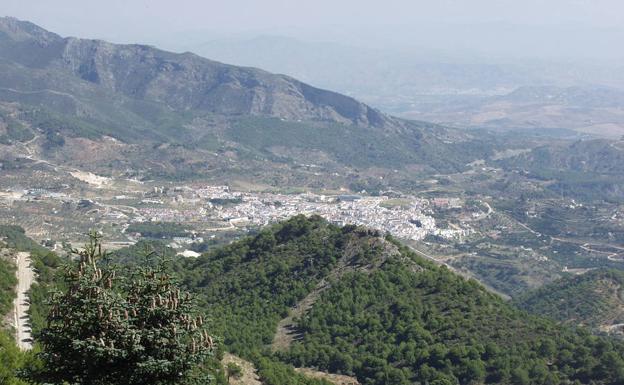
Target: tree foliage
[(109, 329), (8, 281), (12, 360), (233, 370)]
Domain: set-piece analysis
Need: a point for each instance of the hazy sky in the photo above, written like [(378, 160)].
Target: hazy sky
[(546, 24)]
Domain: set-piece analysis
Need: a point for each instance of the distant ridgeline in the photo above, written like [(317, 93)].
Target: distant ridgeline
[(585, 169), (382, 314), (594, 299)]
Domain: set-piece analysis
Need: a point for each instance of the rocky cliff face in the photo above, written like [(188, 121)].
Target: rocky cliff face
[(181, 81)]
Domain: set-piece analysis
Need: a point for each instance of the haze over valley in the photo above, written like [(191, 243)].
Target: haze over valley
[(403, 198)]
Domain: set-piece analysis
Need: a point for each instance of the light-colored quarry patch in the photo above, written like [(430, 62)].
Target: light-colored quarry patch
[(10, 196), (90, 178)]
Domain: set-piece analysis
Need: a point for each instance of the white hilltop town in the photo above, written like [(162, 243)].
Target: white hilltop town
[(411, 219), (210, 208)]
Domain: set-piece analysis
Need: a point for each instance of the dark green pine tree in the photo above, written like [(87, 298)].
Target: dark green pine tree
[(138, 329)]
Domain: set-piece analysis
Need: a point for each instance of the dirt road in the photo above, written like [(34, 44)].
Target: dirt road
[(25, 278)]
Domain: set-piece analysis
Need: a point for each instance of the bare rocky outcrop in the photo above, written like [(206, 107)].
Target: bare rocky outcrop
[(249, 375), (336, 379)]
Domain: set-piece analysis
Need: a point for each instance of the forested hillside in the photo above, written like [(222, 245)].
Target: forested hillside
[(585, 169), (384, 314), (594, 299)]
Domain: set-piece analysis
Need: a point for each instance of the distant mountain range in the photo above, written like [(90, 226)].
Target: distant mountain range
[(597, 157), (138, 111), (54, 90), (587, 109), (464, 91), (392, 72)]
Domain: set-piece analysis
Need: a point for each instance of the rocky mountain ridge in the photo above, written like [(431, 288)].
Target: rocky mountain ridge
[(180, 81)]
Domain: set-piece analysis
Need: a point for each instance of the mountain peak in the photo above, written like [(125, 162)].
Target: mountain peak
[(20, 30), (182, 82)]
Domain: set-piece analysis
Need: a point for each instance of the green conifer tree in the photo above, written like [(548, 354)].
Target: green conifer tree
[(137, 329)]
